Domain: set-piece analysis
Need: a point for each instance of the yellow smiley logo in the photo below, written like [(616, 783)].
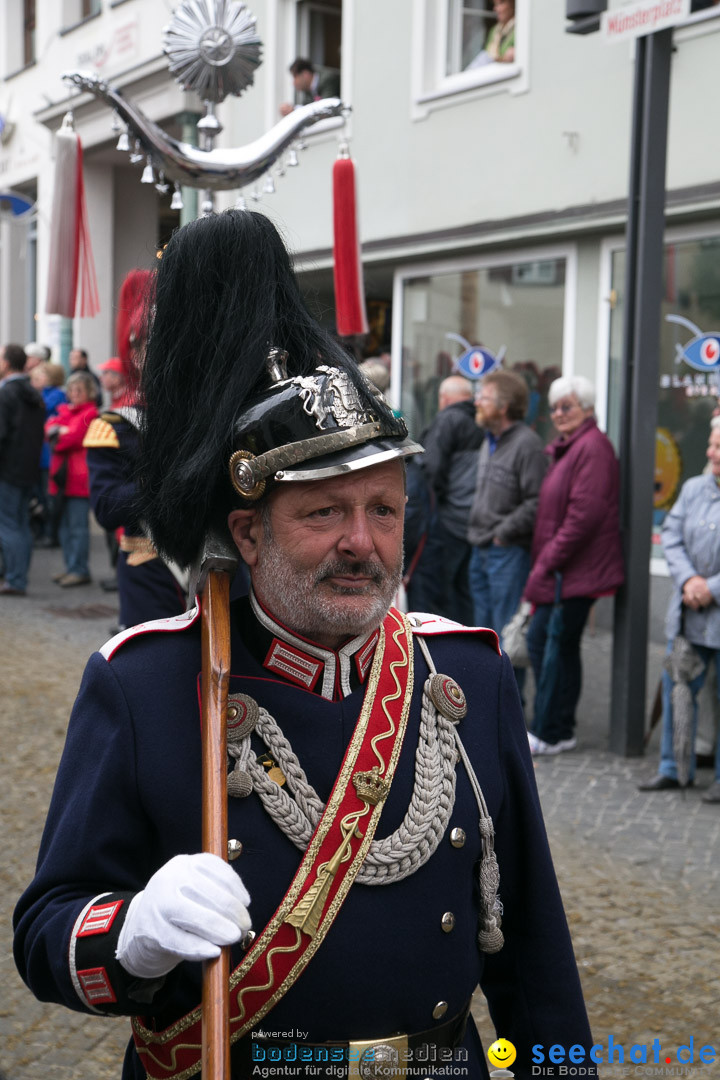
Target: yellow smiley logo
[(502, 1053)]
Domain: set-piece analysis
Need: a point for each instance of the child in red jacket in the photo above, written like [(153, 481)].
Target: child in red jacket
[(69, 476)]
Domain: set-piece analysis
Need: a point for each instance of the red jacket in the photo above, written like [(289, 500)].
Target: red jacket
[(69, 447), (577, 529)]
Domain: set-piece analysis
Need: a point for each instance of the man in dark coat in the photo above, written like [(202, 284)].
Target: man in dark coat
[(22, 417), (373, 797), (452, 442)]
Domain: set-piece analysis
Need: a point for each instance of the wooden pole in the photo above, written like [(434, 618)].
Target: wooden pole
[(215, 681)]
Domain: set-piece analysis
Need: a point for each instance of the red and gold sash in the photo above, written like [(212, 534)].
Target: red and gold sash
[(334, 855)]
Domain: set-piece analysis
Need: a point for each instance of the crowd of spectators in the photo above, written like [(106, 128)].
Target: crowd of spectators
[(513, 522), (535, 536), (44, 497), (505, 532), (496, 522)]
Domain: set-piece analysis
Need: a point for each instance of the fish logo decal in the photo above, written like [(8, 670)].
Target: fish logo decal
[(476, 361), (702, 352)]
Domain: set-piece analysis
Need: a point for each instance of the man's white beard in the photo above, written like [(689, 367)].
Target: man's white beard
[(297, 598)]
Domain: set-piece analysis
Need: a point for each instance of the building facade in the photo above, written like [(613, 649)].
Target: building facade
[(492, 194)]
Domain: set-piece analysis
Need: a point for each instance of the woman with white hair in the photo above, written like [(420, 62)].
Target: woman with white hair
[(576, 556)]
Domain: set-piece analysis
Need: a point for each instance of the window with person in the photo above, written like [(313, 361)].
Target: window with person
[(319, 32), (479, 32)]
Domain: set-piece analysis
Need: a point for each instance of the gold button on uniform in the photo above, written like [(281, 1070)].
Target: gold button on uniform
[(448, 922), (440, 1010), (457, 837)]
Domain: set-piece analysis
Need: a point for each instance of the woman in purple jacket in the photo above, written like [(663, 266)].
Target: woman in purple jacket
[(576, 554)]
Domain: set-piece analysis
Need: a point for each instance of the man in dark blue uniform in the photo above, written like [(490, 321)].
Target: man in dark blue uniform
[(379, 768), (148, 587)]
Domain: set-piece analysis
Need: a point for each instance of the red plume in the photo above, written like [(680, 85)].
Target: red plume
[(131, 326)]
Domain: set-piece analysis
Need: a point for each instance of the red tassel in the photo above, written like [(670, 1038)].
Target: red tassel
[(350, 314), (89, 296), (71, 259)]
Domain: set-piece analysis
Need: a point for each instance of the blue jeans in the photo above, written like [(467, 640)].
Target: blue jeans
[(74, 535), (667, 757), (497, 579), (15, 534), (559, 719)]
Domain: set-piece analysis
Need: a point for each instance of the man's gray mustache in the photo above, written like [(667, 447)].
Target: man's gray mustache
[(355, 569)]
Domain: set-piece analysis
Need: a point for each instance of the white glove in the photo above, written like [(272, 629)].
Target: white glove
[(188, 909)]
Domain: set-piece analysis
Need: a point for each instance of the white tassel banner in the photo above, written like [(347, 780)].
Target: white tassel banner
[(71, 258)]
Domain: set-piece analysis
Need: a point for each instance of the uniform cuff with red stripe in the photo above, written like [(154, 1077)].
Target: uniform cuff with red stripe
[(101, 982)]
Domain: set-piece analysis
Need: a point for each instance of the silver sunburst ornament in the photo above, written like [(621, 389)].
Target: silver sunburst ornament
[(212, 47)]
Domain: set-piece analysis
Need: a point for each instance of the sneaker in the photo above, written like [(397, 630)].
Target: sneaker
[(661, 783), (57, 578), (74, 579), (567, 744), (713, 793), (537, 746), (10, 590)]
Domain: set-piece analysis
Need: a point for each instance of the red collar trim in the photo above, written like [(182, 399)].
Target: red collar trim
[(329, 672)]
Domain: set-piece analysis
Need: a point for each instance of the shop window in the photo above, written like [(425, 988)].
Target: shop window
[(518, 306), (687, 396)]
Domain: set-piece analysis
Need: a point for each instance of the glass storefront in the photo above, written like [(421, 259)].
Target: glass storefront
[(518, 305), (687, 397)]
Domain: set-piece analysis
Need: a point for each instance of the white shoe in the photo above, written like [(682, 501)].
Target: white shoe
[(568, 744), (537, 746)]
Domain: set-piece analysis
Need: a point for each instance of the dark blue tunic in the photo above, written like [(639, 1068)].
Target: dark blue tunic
[(128, 798), (148, 591)]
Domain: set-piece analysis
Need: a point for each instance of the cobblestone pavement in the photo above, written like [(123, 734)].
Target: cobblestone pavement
[(639, 872)]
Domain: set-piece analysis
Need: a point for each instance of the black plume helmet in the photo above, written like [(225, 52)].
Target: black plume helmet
[(242, 387)]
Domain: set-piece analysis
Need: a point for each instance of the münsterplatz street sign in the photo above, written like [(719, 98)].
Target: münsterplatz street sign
[(641, 18)]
